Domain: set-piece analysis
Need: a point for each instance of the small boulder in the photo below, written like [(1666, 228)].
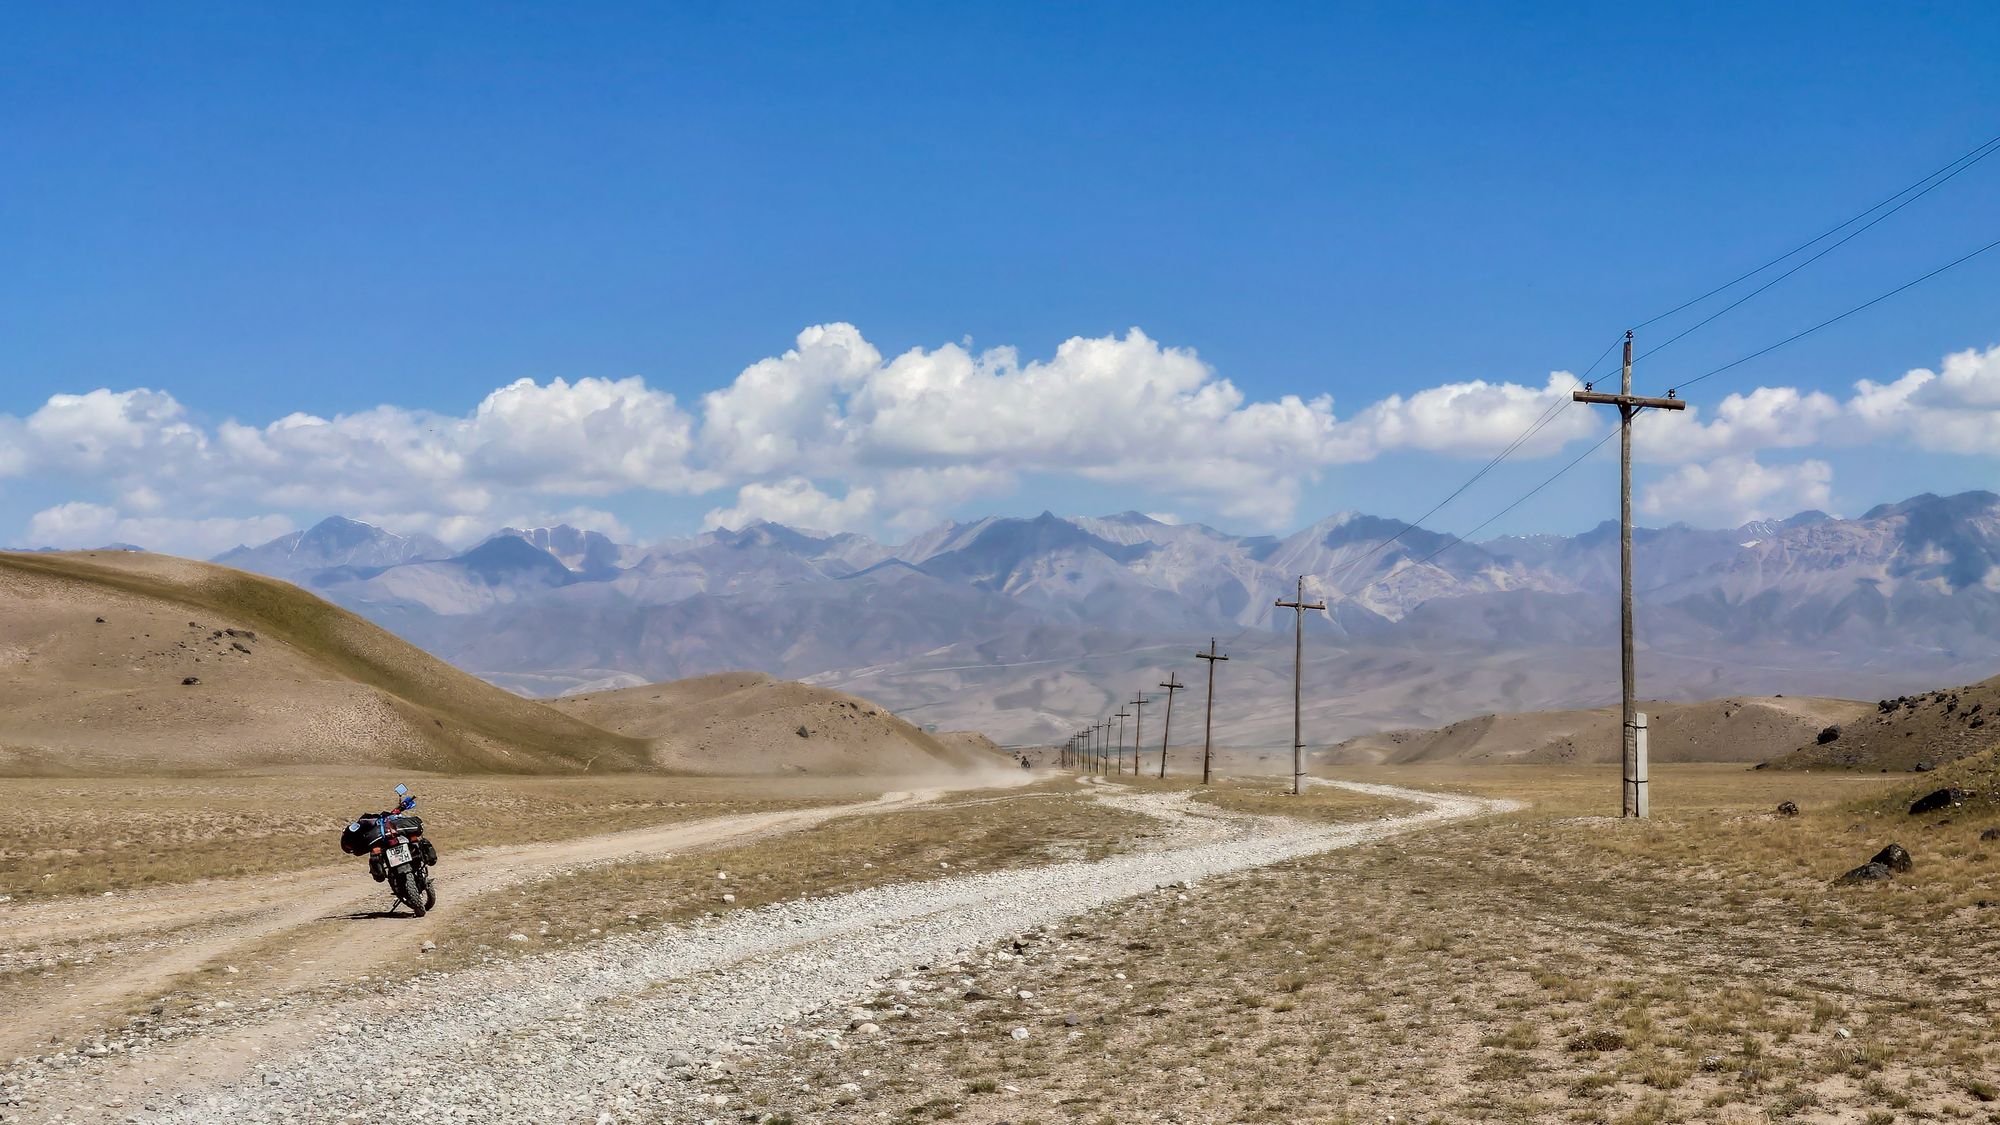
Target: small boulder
[(803, 732), (1829, 734), (1788, 808), (1894, 858), (1938, 799), (1866, 873), (190, 681), (1990, 835)]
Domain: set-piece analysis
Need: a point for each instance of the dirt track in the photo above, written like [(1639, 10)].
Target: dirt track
[(569, 1036), (139, 944)]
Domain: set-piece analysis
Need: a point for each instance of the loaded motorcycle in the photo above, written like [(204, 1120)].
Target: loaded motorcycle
[(398, 852)]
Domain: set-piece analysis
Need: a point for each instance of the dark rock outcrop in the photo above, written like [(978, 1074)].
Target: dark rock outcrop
[(1866, 873), (1938, 799), (1894, 858)]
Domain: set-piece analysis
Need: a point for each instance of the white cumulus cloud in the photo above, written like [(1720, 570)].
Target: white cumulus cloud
[(1736, 489), (78, 524), (835, 433), (795, 502)]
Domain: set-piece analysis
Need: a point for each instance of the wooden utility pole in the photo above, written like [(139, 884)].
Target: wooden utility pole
[(1208, 722), (1628, 404), (1299, 605), (1172, 684), (1138, 717), (1121, 717)]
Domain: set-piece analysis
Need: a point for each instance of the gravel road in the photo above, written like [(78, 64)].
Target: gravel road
[(617, 1032)]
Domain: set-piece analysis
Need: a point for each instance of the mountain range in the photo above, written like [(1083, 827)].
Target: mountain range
[(1026, 628)]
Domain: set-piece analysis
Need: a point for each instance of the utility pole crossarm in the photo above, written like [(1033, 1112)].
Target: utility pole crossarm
[(1629, 402)]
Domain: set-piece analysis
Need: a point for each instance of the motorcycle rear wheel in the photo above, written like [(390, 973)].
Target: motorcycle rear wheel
[(410, 893)]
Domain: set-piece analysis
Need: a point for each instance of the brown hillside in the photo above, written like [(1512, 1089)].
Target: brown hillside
[(1911, 731), (1738, 729), (94, 647), (977, 745), (749, 723)]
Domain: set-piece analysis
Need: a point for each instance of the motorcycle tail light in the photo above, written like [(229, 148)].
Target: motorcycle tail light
[(374, 851)]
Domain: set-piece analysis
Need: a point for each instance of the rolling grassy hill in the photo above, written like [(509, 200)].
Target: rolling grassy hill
[(1928, 730), (750, 723), (96, 649)]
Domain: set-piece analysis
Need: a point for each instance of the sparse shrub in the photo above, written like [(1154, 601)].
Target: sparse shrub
[(1602, 1039)]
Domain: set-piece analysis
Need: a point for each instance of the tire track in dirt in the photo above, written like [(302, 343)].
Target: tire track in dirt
[(141, 944), (590, 1032)]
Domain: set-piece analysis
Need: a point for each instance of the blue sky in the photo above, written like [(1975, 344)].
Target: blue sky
[(262, 211)]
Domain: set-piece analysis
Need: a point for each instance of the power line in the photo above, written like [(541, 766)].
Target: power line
[(1560, 402), (1871, 302), (1850, 236), (1923, 186), (1456, 540), (1977, 153)]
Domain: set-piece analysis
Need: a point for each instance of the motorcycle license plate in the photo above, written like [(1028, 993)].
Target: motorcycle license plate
[(397, 856)]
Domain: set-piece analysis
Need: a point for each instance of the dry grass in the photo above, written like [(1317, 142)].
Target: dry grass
[(1316, 803), (74, 835), (982, 832), (1552, 965)]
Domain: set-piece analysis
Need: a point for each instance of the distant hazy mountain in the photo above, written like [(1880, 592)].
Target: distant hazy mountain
[(1028, 627), (332, 542)]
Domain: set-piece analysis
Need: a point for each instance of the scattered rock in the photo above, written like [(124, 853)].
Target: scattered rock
[(1019, 1033), (1894, 858), (1938, 799), (1866, 873), (239, 646), (100, 621), (1990, 835), (1829, 734), (190, 681), (803, 732), (1788, 808)]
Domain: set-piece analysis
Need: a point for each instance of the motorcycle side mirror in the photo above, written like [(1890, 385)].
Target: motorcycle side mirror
[(402, 790)]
